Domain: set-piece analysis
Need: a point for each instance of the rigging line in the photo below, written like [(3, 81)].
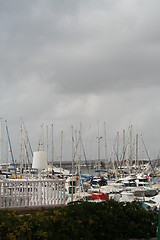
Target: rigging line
[(76, 147), (26, 152), (28, 139), (85, 158), (9, 141), (147, 154)]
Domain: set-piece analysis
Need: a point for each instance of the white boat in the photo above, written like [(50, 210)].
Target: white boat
[(72, 185), (58, 171), (138, 191), (151, 191), (126, 197)]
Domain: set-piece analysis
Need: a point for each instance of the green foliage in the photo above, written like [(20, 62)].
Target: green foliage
[(105, 220)]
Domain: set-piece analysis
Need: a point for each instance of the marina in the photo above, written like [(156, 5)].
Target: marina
[(36, 181), (39, 183), (45, 187), (79, 119)]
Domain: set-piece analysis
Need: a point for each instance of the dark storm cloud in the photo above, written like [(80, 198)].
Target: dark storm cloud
[(123, 54), (105, 45)]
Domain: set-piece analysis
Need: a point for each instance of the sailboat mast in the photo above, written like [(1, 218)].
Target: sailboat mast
[(117, 152), (52, 146), (76, 144), (136, 163), (98, 146), (61, 153), (21, 146), (7, 146), (124, 143), (72, 151), (113, 158), (80, 142), (90, 154), (105, 143), (47, 142), (72, 161), (131, 147), (0, 140), (98, 164)]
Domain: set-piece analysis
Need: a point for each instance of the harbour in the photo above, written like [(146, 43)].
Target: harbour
[(79, 120), (37, 181), (52, 186)]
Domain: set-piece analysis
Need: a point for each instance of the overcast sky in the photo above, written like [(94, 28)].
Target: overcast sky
[(66, 62)]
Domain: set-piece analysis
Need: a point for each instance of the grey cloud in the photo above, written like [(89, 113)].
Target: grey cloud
[(62, 31), (79, 60)]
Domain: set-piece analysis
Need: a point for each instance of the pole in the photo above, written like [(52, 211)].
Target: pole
[(42, 136), (90, 156), (124, 143), (0, 140), (76, 144), (47, 142), (61, 153), (117, 152), (52, 146), (136, 150), (7, 147), (21, 146), (80, 142), (113, 159), (105, 144), (131, 147), (72, 161), (159, 225), (98, 146)]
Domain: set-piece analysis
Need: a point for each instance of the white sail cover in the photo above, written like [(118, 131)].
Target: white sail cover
[(39, 160)]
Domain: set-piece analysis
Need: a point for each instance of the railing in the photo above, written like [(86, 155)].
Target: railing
[(18, 193)]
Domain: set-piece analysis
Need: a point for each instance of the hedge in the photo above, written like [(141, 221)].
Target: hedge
[(84, 220)]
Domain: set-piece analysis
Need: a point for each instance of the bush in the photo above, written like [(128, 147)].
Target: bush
[(105, 220)]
